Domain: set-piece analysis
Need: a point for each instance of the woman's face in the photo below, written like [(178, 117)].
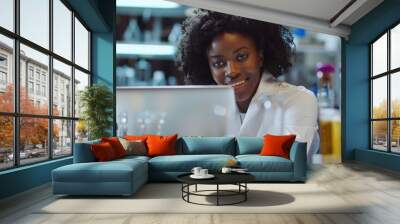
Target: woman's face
[(234, 60)]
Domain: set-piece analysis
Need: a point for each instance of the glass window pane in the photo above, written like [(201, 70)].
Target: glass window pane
[(33, 139), (7, 14), (6, 74), (62, 89), (34, 96), (62, 138), (395, 136), (81, 81), (62, 29), (81, 45), (395, 47), (379, 97), (35, 21), (81, 131), (395, 95), (379, 55), (379, 135), (6, 142)]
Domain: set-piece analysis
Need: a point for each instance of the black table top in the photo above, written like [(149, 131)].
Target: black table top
[(220, 178)]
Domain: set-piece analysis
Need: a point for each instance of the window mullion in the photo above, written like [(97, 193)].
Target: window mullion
[(389, 106), (371, 98), (16, 84), (50, 81), (73, 82)]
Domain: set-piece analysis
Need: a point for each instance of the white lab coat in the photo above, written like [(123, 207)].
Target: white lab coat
[(279, 108)]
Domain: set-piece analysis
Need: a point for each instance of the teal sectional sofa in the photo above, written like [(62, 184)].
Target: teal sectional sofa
[(125, 176)]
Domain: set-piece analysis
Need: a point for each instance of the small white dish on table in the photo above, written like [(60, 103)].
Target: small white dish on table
[(207, 176)]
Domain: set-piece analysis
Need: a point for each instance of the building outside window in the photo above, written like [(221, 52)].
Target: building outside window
[(43, 77), (43, 90), (30, 72), (37, 74), (3, 72), (30, 87), (3, 77), (3, 61)]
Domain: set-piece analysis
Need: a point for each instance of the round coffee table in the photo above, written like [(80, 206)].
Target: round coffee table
[(238, 179)]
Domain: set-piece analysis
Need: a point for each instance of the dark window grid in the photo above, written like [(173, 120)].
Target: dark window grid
[(41, 49), (73, 75), (388, 74), (38, 116), (50, 86), (385, 73), (21, 40)]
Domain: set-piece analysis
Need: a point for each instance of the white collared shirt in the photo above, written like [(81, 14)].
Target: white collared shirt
[(279, 108)]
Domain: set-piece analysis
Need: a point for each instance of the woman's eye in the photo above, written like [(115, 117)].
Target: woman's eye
[(218, 64), (241, 57)]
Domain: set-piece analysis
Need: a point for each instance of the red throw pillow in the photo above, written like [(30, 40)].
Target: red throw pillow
[(277, 145), (103, 152), (161, 145), (116, 145)]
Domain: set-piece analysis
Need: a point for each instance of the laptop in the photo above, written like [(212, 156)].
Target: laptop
[(185, 110)]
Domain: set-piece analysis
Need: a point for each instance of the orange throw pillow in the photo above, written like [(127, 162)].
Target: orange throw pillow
[(116, 145), (161, 145), (103, 152), (277, 145), (136, 137)]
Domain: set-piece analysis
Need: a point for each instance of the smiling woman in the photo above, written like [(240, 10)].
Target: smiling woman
[(249, 55)]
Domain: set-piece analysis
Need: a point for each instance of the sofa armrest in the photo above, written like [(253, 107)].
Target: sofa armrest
[(83, 152), (298, 155)]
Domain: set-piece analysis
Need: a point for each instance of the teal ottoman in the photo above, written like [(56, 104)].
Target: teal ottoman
[(118, 177)]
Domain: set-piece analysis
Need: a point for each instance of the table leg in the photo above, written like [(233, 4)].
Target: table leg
[(196, 188), (245, 193), (188, 189), (217, 194)]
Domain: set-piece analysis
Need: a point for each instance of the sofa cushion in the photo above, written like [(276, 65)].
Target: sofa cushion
[(160, 145), (134, 147), (112, 171), (249, 145), (277, 145), (136, 137), (116, 145), (206, 145), (132, 158), (103, 151), (185, 163), (257, 163)]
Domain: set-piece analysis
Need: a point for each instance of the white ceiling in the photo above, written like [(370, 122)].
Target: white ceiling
[(323, 16), (320, 9)]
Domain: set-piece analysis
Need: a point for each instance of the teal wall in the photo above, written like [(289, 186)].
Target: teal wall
[(24, 178), (355, 73), (103, 52), (99, 16)]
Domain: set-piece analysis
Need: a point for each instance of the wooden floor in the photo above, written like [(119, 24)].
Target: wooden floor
[(377, 188)]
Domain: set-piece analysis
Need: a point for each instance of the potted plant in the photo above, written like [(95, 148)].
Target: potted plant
[(96, 102)]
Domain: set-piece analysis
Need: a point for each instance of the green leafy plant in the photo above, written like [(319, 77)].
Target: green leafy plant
[(96, 102)]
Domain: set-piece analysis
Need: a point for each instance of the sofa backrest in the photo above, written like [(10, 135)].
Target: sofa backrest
[(83, 152), (249, 145), (206, 145)]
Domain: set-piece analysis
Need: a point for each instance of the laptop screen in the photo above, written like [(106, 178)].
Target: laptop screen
[(186, 110)]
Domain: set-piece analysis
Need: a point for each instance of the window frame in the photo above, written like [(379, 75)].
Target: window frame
[(16, 114), (388, 74)]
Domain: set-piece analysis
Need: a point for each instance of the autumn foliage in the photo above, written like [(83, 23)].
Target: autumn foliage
[(380, 127), (33, 131)]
